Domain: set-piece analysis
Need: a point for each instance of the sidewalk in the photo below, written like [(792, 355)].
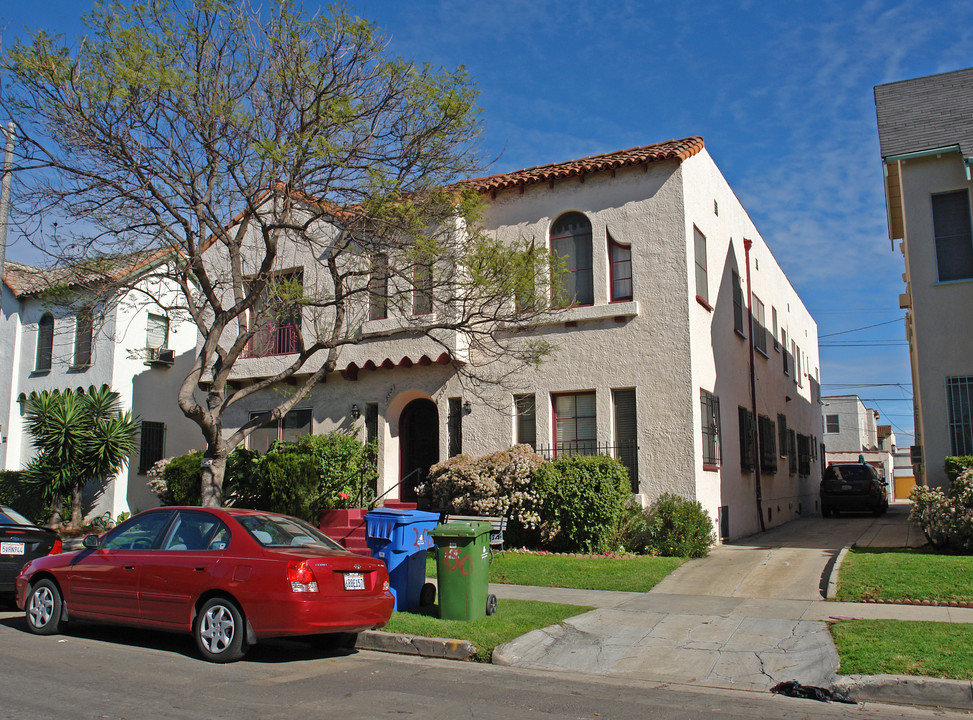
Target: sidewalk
[(749, 615)]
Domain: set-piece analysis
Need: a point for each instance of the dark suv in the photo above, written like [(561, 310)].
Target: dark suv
[(855, 487)]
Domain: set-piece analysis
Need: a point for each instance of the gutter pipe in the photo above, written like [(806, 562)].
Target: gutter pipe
[(747, 244)]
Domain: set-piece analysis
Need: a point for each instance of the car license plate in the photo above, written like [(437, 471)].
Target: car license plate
[(354, 581), (12, 548), (846, 487)]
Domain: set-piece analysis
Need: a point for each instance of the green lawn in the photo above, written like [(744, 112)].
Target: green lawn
[(898, 647), (636, 574), (898, 573), (512, 619)]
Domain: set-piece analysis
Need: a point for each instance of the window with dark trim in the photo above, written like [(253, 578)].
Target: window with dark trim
[(571, 245), (525, 422), (803, 455), (768, 444), (454, 425), (45, 343), (575, 424), (747, 453), (791, 452), (371, 422), (959, 414), (773, 316), (709, 411), (782, 434), (620, 266), (759, 329), (785, 354), (702, 280), (422, 289), (378, 287), (738, 317), (152, 445), (954, 242), (832, 424), (84, 324), (295, 424), (626, 432), (277, 316)]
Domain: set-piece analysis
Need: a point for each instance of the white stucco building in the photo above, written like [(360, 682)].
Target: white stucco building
[(653, 364), (852, 433), (925, 128), (128, 344)]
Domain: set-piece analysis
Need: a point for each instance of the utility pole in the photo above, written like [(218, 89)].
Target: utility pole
[(8, 162)]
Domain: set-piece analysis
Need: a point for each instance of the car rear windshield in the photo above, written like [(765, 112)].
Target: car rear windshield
[(849, 473), (274, 531), (9, 516)]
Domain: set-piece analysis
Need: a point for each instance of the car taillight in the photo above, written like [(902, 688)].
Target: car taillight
[(56, 547), (300, 577)]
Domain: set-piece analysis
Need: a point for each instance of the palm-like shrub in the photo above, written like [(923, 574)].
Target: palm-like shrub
[(81, 437)]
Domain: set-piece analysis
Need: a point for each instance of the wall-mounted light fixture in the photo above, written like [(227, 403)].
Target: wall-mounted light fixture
[(467, 407), (355, 412)]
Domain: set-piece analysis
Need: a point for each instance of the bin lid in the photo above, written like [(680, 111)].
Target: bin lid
[(403, 517), (466, 528)]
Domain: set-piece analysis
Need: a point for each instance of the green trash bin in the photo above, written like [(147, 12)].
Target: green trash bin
[(463, 570)]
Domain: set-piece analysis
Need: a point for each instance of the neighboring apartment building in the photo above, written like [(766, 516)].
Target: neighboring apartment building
[(852, 432), (925, 129), (129, 345), (654, 361)]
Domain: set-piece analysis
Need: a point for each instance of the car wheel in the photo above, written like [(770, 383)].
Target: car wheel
[(44, 608), (491, 604), (825, 511), (219, 631)]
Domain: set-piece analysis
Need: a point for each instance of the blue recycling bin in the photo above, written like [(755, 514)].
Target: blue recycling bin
[(401, 538)]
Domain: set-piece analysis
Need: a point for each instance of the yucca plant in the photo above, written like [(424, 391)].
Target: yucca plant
[(81, 437)]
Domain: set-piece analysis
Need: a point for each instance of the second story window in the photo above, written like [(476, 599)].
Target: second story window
[(759, 326), (45, 343), (621, 270), (954, 242), (738, 306), (82, 339), (702, 282), (422, 289), (571, 245), (378, 288), (277, 316), (156, 332), (832, 426)]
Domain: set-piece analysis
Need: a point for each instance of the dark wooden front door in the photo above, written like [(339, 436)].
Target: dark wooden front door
[(419, 445)]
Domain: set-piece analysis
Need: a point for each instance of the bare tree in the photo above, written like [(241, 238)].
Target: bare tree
[(291, 173)]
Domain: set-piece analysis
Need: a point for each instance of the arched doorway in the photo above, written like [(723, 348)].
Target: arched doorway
[(418, 445)]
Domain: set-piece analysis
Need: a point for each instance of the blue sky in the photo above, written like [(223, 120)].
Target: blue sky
[(781, 93)]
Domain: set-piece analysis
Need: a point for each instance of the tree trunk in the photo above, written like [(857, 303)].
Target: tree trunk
[(76, 517), (214, 467)]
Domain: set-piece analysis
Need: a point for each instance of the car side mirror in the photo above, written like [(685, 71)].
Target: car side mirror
[(91, 541)]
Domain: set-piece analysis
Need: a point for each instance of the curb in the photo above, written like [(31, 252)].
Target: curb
[(833, 573), (908, 690), (431, 647)]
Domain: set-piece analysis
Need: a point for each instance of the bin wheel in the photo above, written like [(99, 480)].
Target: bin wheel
[(491, 606), (427, 595)]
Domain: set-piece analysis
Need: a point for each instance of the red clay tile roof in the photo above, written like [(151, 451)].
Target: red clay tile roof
[(669, 150), (29, 280), (883, 431)]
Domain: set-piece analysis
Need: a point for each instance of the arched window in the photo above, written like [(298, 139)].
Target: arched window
[(571, 244), (45, 343)]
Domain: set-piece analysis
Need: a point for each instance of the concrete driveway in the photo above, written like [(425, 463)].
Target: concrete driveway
[(747, 616)]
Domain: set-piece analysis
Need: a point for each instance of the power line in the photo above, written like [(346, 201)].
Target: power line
[(864, 327)]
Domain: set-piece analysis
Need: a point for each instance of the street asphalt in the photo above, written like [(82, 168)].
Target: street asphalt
[(751, 614)]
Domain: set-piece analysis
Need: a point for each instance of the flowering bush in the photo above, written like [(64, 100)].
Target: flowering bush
[(499, 484), (946, 519)]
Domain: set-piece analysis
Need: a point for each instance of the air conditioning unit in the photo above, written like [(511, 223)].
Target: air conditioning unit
[(159, 356), (915, 454)]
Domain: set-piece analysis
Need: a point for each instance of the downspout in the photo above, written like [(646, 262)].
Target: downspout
[(8, 161), (747, 244)]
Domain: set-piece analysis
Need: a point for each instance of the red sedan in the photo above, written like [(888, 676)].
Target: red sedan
[(231, 577)]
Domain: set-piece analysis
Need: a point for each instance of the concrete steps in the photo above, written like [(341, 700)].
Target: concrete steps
[(347, 527)]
